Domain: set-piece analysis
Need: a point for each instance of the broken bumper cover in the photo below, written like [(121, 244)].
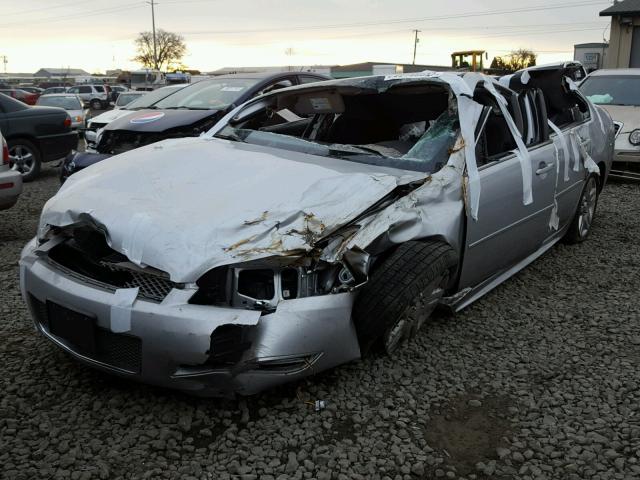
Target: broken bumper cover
[(172, 343)]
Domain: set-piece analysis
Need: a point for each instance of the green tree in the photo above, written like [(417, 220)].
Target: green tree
[(170, 48)]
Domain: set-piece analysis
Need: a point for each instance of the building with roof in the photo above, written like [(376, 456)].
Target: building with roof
[(624, 44), (591, 55), (60, 72)]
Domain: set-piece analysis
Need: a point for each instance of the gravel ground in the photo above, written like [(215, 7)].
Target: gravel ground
[(538, 380)]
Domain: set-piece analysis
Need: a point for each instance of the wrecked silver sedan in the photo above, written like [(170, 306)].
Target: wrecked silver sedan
[(312, 225)]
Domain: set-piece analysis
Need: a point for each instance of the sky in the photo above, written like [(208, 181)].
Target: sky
[(97, 36)]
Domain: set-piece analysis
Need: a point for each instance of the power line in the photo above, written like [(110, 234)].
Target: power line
[(408, 20), (102, 11)]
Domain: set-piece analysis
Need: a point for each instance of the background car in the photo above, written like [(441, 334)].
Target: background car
[(116, 90), (96, 96), (618, 92), (125, 98), (35, 135), (188, 113), (50, 90), (71, 103), (18, 94), (10, 180), (37, 90), (94, 124)]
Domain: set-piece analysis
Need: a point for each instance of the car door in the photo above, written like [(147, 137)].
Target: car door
[(506, 230), (574, 132)]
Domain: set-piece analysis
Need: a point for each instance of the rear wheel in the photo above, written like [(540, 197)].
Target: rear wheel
[(401, 294), (96, 104), (580, 227), (24, 157)]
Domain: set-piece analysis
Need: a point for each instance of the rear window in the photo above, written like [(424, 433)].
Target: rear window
[(68, 103), (99, 88)]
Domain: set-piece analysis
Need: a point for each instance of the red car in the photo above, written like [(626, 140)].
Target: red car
[(26, 97)]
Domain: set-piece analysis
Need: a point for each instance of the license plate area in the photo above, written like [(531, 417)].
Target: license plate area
[(73, 327)]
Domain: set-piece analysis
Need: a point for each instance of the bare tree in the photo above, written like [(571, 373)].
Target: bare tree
[(515, 60), (170, 47)]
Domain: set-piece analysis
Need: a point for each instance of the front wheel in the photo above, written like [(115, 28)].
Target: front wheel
[(581, 224), (401, 294), (96, 104)]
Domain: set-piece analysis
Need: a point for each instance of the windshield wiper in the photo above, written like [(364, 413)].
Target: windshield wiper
[(234, 137), (358, 147), (182, 107)]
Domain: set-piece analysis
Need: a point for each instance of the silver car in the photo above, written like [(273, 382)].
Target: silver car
[(313, 225), (71, 103), (94, 96)]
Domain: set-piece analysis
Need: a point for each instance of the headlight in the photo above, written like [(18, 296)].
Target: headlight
[(634, 137), (262, 285)]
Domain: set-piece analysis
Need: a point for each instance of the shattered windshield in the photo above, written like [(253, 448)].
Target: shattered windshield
[(409, 127), (612, 89)]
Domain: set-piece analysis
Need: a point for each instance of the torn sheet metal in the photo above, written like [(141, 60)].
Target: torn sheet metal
[(565, 148), (123, 300)]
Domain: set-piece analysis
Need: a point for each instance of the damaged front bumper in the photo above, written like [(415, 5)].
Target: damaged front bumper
[(203, 350)]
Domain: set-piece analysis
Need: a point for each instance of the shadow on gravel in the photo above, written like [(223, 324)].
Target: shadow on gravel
[(469, 430)]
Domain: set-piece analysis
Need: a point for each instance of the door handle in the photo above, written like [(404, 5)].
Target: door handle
[(544, 167)]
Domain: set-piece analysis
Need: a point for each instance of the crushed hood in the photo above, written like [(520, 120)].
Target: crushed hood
[(185, 206)]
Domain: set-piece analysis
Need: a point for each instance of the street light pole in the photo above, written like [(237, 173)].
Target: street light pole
[(415, 45), (153, 23)]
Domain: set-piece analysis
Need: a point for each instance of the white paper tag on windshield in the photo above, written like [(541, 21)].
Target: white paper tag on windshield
[(320, 103), (288, 115), (232, 89)]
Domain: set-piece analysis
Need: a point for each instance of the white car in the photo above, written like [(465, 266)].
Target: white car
[(10, 180), (145, 100), (125, 98), (618, 92), (96, 96)]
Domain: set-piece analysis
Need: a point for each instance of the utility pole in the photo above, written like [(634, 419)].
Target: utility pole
[(153, 23), (4, 61), (415, 44)]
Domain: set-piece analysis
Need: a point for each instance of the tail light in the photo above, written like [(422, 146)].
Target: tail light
[(67, 121), (5, 152)]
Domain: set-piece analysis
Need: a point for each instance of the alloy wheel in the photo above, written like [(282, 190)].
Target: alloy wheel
[(587, 207), (22, 159)]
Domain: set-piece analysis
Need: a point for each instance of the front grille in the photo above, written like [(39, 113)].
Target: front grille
[(94, 126), (98, 264), (117, 350), (120, 141), (151, 287)]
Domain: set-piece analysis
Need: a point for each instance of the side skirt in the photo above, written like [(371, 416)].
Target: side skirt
[(466, 297)]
